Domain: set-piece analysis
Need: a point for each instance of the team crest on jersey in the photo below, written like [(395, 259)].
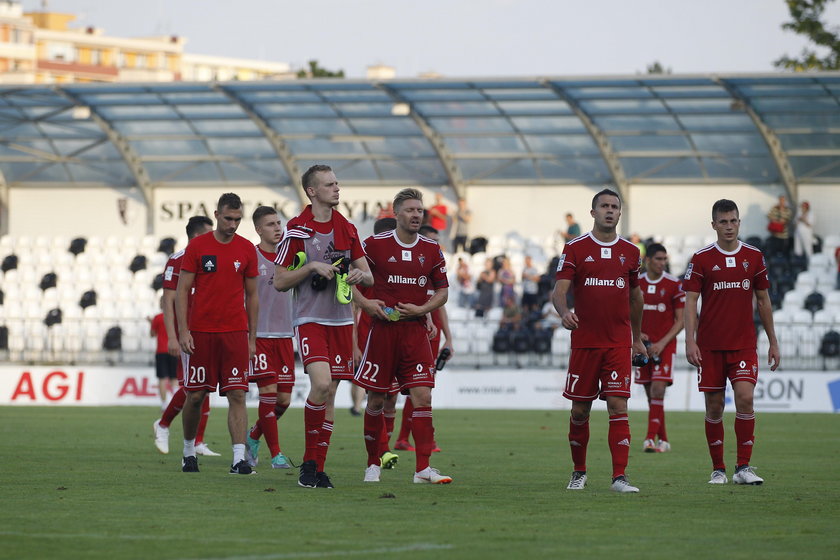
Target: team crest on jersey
[(422, 259), (746, 264), (662, 292), (621, 259), (208, 263), (236, 265)]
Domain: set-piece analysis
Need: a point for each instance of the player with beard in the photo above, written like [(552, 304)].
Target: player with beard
[(407, 268), (321, 258), (218, 339), (605, 324)]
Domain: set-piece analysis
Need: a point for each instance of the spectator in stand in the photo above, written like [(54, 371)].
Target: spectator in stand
[(837, 260), (778, 224), (549, 318), (438, 218), (573, 229), (637, 241), (461, 230), (507, 278), (511, 314), (530, 285), (562, 237), (803, 240), (485, 287), (466, 286)]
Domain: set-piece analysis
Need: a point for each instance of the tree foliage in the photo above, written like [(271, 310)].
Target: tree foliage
[(657, 68), (806, 15), (315, 70)]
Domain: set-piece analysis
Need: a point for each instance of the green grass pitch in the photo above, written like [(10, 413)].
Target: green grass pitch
[(88, 483)]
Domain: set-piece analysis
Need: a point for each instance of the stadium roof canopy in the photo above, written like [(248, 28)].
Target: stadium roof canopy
[(782, 129)]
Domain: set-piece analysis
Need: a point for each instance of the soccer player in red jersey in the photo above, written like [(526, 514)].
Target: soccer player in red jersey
[(218, 340), (407, 268), (197, 225), (321, 257), (723, 345), (662, 320), (274, 364), (166, 365), (606, 322), (441, 321)]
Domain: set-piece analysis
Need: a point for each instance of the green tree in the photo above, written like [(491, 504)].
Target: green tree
[(806, 16), (317, 71), (657, 68)]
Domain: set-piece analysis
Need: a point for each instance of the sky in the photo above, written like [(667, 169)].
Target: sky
[(466, 38)]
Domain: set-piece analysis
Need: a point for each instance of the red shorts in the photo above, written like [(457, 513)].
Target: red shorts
[(396, 354), (598, 372), (663, 371), (219, 360), (274, 362), (327, 343), (716, 366)]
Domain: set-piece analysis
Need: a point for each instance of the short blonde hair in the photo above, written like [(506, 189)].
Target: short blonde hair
[(406, 194)]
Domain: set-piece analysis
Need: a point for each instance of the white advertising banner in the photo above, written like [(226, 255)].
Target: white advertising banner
[(464, 389)]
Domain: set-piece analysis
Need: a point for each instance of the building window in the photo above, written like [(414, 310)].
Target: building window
[(96, 57), (64, 52)]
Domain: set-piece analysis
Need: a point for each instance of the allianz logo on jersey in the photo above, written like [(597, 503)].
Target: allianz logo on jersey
[(655, 307), (618, 282), (731, 285), (399, 279)]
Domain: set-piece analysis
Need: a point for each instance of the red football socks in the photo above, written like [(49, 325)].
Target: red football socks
[(313, 421), (424, 436), (387, 431), (176, 403), (405, 426), (202, 422), (324, 444), (578, 441), (373, 428), (268, 422), (655, 416), (745, 436), (714, 437), (619, 440)]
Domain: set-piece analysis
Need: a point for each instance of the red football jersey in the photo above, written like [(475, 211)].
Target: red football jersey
[(662, 298), (220, 271), (602, 276), (726, 282), (405, 273), (160, 332), (171, 273)]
